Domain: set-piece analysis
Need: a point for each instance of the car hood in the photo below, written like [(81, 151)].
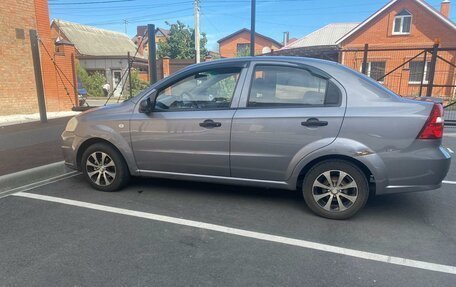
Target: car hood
[(105, 112)]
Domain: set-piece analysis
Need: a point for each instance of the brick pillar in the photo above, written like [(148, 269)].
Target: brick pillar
[(66, 84), (165, 67), (47, 66)]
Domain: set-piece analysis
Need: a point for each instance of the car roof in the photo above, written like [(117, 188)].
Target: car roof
[(289, 59), (242, 61)]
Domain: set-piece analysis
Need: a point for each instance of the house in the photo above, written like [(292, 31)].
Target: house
[(99, 50), (318, 44), (397, 36), (17, 85), (238, 44), (141, 38)]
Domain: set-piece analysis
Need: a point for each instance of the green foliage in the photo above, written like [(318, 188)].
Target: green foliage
[(224, 88), (215, 56), (181, 43), (137, 84), (93, 83), (243, 53)]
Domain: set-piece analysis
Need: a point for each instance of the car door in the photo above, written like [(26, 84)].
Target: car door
[(188, 130), (286, 111)]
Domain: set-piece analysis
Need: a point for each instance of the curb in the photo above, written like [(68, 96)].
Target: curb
[(34, 175), (32, 119)]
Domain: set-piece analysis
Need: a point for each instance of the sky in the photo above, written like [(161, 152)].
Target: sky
[(219, 18)]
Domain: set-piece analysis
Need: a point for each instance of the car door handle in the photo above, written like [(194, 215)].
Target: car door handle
[(314, 122), (208, 124)]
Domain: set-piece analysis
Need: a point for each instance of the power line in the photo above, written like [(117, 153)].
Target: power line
[(213, 12), (125, 7), (210, 22), (89, 3), (139, 21), (138, 18)]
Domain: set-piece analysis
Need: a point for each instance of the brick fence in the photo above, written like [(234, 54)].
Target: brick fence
[(18, 87), (167, 66)]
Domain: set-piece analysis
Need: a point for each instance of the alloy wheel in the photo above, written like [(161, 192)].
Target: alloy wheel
[(335, 190), (101, 169)]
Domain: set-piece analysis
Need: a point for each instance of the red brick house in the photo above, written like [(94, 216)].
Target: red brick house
[(141, 38), (404, 24), (17, 85), (238, 43)]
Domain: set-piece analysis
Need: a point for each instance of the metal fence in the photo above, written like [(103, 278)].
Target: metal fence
[(410, 72)]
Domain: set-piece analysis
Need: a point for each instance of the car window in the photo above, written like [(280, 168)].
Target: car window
[(212, 89), (274, 86)]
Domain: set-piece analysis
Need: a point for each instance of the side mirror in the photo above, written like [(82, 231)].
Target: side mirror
[(145, 106)]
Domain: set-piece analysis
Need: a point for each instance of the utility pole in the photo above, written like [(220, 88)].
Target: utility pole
[(125, 23), (38, 76), (431, 69), (197, 30), (152, 54), (252, 29), (130, 61)]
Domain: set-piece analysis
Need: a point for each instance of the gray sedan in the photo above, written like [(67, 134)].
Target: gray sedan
[(275, 122)]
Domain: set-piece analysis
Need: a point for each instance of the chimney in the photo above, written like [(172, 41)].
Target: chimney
[(445, 8), (286, 36), (141, 30)]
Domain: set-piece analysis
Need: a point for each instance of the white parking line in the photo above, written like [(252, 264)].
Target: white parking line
[(250, 234), (39, 183), (449, 182)]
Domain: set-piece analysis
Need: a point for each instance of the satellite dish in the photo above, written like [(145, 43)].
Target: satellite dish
[(266, 50)]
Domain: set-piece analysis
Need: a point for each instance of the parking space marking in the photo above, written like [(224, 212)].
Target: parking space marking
[(249, 234), (449, 182), (40, 183)]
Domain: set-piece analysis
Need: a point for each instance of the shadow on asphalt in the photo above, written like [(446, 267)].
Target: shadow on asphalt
[(223, 190), (405, 206)]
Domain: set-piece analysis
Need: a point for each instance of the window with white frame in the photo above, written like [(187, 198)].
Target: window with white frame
[(242, 49), (375, 70), (416, 72), (402, 23)]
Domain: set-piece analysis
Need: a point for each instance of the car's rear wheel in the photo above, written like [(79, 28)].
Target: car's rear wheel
[(104, 167), (335, 189)]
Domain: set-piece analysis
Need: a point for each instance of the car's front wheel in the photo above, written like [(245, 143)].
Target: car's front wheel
[(104, 167), (335, 189)]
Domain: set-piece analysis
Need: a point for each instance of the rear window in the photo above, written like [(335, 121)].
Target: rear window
[(278, 86)]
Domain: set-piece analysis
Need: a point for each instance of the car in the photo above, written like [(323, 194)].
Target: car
[(290, 123)]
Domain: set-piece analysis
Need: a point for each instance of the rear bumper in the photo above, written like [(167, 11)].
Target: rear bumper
[(391, 189), (422, 169)]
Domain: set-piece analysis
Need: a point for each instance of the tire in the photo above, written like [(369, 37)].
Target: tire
[(112, 175), (347, 196)]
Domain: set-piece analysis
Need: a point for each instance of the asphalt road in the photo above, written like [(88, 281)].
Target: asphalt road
[(45, 243), (30, 145)]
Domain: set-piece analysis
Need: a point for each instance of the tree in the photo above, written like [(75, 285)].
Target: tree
[(93, 83), (137, 85), (244, 52), (181, 43)]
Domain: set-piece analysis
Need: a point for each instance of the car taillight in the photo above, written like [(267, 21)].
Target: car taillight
[(433, 128)]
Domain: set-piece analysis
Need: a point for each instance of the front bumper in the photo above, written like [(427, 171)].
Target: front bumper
[(70, 144)]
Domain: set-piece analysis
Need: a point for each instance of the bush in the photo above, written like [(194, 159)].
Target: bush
[(93, 83), (137, 84)]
